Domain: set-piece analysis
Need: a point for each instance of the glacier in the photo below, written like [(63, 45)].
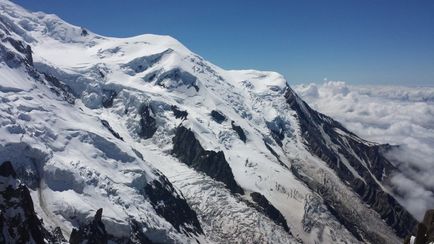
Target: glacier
[(175, 149)]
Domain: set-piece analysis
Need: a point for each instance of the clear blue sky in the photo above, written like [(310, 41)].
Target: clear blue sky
[(359, 41)]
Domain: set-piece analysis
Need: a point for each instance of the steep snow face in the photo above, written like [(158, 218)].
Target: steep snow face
[(73, 163), (98, 118)]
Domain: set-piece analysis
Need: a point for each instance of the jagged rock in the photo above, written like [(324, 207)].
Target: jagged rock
[(12, 58), (141, 64), (58, 236), (181, 77), (137, 235), (107, 98), (60, 88), (84, 32), (148, 124), (269, 210), (239, 131), (179, 114), (6, 170), (106, 124), (189, 151), (94, 232), (218, 116), (277, 129), (22, 48), (168, 203), (425, 230), (274, 153), (18, 220)]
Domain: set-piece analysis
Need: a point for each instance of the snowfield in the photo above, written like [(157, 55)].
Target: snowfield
[(176, 148)]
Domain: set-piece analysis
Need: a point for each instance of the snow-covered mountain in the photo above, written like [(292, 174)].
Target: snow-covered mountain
[(172, 148)]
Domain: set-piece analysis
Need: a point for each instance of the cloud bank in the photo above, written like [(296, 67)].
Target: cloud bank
[(396, 115)]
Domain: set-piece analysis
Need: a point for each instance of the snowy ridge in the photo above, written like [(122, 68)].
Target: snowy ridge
[(96, 119)]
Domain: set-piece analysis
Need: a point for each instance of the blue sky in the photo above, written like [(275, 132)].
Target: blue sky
[(369, 41)]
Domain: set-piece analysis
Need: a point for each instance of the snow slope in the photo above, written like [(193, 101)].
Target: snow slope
[(94, 122)]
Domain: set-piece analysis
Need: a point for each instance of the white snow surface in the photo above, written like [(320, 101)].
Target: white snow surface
[(85, 167)]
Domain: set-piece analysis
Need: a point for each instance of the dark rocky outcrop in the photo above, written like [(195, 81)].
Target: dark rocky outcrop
[(94, 232), (179, 114), (265, 207), (172, 206), (106, 124), (277, 129), (274, 154), (107, 97), (20, 55), (84, 32), (22, 48), (60, 88), (141, 64), (366, 159), (58, 236), (189, 151), (6, 170), (181, 77), (239, 131), (166, 201), (218, 116), (18, 220), (424, 233), (148, 123)]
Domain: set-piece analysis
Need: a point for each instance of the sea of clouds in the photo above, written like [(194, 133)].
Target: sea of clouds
[(396, 115)]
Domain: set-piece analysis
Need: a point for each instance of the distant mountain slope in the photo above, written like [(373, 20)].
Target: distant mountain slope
[(402, 116)]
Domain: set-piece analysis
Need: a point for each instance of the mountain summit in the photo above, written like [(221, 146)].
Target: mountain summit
[(139, 140)]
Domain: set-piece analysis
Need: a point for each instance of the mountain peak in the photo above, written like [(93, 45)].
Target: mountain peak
[(176, 149)]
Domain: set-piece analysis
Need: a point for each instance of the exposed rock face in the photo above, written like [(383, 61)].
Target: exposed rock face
[(22, 48), (94, 232), (20, 224), (179, 76), (148, 124), (107, 98), (428, 221), (277, 129), (239, 131), (22, 55), (179, 114), (274, 154), (367, 161), (7, 170), (60, 88), (425, 230), (168, 203), (269, 210), (18, 220), (189, 151), (218, 116), (106, 124), (84, 32)]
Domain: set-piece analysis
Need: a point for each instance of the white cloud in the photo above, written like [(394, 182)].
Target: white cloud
[(396, 115)]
